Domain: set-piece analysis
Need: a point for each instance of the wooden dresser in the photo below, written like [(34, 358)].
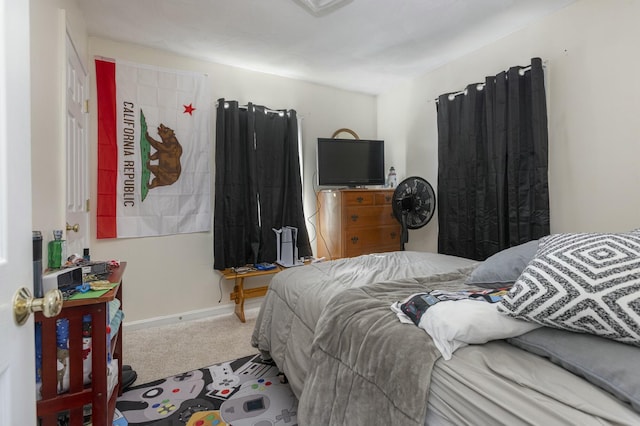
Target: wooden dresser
[(352, 222)]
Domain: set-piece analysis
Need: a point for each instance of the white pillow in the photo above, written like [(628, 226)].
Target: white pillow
[(583, 282), (457, 323)]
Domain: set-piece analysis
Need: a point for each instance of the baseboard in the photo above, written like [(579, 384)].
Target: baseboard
[(216, 311)]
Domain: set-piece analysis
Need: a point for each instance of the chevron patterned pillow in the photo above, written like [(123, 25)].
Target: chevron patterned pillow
[(587, 283)]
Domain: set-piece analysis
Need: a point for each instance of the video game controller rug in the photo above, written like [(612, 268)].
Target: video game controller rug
[(242, 392)]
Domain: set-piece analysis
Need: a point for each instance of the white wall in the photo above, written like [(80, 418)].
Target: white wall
[(174, 274), (594, 104), (165, 275), (594, 99)]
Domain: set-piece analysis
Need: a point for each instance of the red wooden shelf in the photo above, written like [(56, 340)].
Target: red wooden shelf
[(80, 395)]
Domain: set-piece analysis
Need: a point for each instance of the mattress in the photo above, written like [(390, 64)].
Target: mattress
[(494, 383), (481, 384)]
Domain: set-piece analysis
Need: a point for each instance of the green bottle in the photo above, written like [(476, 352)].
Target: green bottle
[(56, 249)]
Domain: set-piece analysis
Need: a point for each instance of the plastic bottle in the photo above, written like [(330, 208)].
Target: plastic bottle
[(37, 264), (38, 337), (392, 179), (62, 351), (62, 333), (56, 250)]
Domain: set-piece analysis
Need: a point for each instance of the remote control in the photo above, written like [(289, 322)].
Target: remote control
[(264, 266), (242, 269)]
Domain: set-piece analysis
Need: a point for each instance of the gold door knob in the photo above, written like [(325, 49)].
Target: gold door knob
[(24, 304), (74, 228)]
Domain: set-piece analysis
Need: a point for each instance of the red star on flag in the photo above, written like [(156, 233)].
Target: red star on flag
[(188, 109)]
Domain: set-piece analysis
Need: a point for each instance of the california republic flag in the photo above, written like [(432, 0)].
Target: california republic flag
[(153, 151)]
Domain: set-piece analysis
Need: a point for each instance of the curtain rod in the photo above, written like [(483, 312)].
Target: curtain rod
[(266, 110), (480, 86)]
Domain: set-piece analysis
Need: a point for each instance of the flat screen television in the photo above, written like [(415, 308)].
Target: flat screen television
[(350, 162)]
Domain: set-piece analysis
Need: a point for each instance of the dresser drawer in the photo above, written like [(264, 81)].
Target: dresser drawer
[(358, 251), (371, 237), (382, 198), (370, 216), (359, 198)]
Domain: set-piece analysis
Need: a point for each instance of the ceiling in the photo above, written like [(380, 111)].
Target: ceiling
[(365, 45)]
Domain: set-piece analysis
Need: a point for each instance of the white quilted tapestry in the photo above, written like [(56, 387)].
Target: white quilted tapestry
[(587, 283)]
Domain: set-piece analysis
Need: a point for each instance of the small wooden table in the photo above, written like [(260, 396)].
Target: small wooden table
[(239, 293)]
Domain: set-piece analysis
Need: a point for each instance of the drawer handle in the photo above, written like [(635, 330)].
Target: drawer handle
[(360, 199), (354, 240), (354, 217), (387, 198), (393, 235)]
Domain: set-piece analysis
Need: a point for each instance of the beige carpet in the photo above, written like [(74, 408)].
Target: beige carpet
[(163, 351)]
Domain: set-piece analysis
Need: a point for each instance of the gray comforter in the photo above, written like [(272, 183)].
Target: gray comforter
[(301, 306), (363, 357), (296, 298)]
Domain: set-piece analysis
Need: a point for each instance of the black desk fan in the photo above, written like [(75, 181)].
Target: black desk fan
[(414, 203)]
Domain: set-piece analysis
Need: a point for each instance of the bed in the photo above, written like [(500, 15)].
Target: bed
[(331, 329)]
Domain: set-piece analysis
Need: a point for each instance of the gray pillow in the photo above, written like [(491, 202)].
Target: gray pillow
[(503, 268), (613, 366)]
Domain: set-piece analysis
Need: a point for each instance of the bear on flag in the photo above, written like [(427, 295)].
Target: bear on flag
[(153, 151)]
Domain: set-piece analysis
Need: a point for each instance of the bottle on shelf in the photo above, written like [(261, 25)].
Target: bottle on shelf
[(57, 249), (392, 179)]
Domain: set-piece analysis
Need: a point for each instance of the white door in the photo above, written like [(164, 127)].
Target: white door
[(17, 375), (76, 137)]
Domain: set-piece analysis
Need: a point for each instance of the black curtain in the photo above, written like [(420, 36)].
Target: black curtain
[(493, 164), (258, 184)]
